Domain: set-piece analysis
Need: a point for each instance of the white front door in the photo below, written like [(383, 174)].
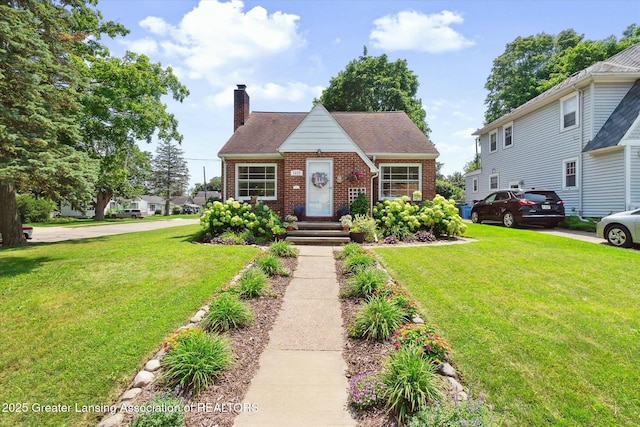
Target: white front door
[(319, 187)]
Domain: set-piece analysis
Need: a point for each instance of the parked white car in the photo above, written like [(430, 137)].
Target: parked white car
[(129, 213), (620, 229), (27, 231)]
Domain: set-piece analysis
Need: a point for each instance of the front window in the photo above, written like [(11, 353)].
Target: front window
[(569, 112), (570, 173), (508, 135), (493, 141), (493, 182), (256, 180), (399, 180)]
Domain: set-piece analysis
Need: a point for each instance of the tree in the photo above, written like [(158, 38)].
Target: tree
[(43, 45), (124, 105), (214, 184), (531, 65), (372, 83), (171, 174)]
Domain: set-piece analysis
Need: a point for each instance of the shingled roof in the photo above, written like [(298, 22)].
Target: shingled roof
[(619, 122), (376, 133)]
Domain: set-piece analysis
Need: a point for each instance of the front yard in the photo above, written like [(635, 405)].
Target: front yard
[(547, 327), (80, 318)]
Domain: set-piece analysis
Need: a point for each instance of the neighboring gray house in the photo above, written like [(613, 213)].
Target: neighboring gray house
[(580, 138)]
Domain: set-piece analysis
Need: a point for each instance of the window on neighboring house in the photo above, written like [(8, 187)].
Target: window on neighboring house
[(475, 185), (493, 182), (256, 180), (399, 180), (493, 141), (569, 112), (570, 173), (508, 135)]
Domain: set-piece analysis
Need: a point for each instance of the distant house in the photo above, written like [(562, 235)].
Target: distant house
[(150, 204), (318, 161), (67, 211), (201, 197), (580, 138), (185, 202)]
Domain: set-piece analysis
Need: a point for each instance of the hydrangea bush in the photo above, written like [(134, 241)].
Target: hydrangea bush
[(236, 216), (401, 217)]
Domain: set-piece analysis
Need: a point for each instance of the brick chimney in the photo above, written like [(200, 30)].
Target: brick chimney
[(240, 106)]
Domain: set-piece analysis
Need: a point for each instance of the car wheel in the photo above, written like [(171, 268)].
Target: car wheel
[(618, 235), (475, 218), (133, 217), (508, 220), (26, 236)]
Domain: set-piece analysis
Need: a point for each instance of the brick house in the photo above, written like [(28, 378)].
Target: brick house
[(319, 161)]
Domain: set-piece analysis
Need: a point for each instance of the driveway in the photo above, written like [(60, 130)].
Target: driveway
[(58, 234), (574, 234)]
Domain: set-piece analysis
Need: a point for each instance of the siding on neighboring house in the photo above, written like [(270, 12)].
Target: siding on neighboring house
[(606, 99), (603, 191), (634, 177)]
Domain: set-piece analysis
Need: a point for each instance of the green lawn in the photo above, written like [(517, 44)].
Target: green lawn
[(79, 319), (547, 327)]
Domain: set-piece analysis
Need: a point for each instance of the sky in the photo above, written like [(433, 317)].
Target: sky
[(286, 52)]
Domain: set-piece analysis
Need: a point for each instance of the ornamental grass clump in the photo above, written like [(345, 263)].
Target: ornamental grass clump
[(193, 360), (366, 390), (351, 249), (425, 337), (283, 249), (410, 381), (378, 319), (253, 283), (271, 265), (358, 262), (227, 312), (365, 282), (162, 411), (400, 299)]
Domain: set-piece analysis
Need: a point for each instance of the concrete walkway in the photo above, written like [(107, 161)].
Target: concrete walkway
[(301, 378)]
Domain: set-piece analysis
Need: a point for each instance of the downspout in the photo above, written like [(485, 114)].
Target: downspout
[(374, 176), (224, 179), (581, 142)]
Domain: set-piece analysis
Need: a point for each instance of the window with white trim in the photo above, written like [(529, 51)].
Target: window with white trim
[(474, 182), (493, 141), (400, 180), (259, 180), (507, 135), (493, 181), (570, 173), (569, 118)]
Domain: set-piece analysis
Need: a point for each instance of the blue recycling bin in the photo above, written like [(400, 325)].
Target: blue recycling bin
[(466, 212)]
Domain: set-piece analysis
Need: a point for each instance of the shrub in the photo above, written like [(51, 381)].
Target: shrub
[(400, 299), (171, 413), (424, 236), (366, 281), (433, 347), (460, 413), (360, 205), (252, 283), (397, 217), (573, 222), (358, 262), (34, 210), (365, 390), (410, 381), (158, 212), (231, 238), (378, 319), (351, 249), (176, 210), (226, 311), (271, 265), (283, 249), (233, 215), (449, 190), (391, 240), (194, 359)]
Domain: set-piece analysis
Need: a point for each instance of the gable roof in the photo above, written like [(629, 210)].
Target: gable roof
[(623, 65), (619, 122), (375, 133)]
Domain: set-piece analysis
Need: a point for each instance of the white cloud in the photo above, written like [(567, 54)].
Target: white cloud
[(216, 39), (411, 30), (145, 46), (465, 134)]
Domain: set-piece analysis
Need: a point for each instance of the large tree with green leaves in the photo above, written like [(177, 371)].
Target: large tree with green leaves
[(43, 48), (124, 105), (372, 83), (170, 171), (533, 64)]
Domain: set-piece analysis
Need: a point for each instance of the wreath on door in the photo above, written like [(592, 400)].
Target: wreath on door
[(319, 179)]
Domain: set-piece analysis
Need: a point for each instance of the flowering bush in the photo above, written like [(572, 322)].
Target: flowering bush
[(401, 217), (434, 348), (179, 336), (233, 215), (365, 390), (355, 176), (400, 299)]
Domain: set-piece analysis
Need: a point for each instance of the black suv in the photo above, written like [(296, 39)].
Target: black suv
[(516, 206)]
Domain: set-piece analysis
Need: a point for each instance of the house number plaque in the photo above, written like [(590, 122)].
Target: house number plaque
[(296, 172)]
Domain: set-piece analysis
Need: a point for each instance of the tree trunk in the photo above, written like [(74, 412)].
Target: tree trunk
[(167, 205), (10, 224), (102, 200)]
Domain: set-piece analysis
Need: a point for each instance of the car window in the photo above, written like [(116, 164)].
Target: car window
[(502, 196), (490, 198), (538, 196)]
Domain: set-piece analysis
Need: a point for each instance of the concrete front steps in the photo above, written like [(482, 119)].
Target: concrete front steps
[(318, 234)]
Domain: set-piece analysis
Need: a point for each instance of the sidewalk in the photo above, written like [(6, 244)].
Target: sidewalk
[(301, 378)]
